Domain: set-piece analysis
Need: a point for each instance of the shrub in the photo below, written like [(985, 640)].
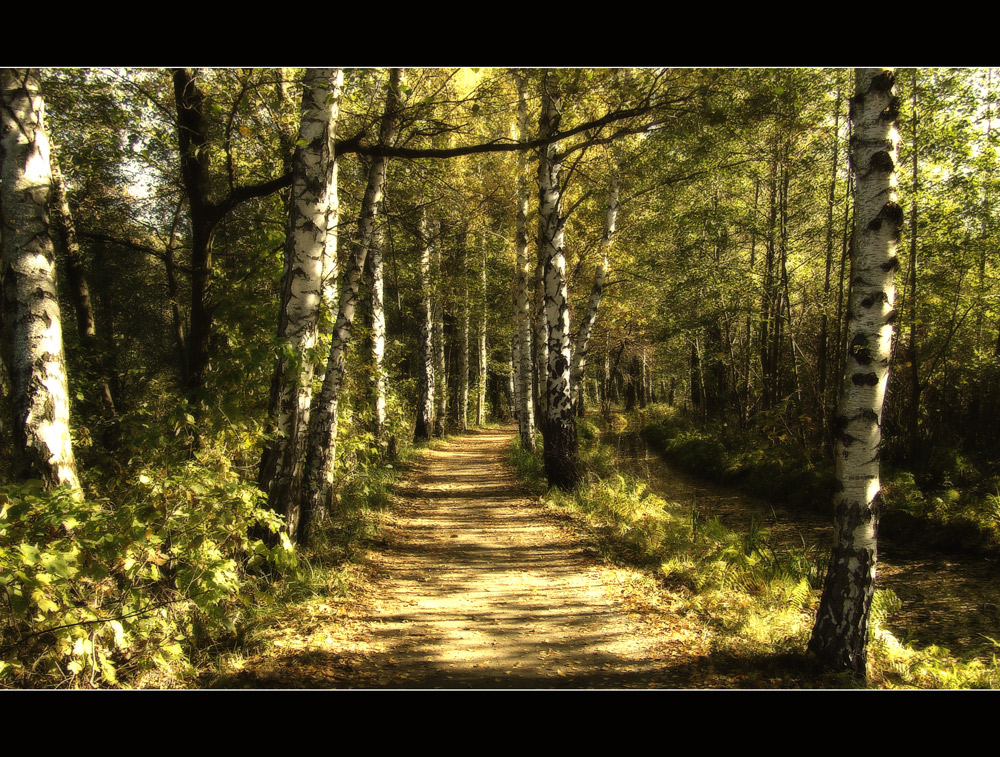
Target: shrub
[(92, 590)]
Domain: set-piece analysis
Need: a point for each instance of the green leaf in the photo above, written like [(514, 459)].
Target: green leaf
[(29, 554), (59, 566), (45, 604)]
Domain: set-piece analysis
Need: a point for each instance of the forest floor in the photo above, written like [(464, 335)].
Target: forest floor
[(949, 599), (474, 583), (479, 585)]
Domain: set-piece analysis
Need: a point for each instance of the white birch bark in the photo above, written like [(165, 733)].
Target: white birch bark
[(33, 344), (512, 399), (515, 374), (425, 342), (322, 442), (541, 337), (331, 271), (440, 368), (313, 176), (378, 336), (559, 431), (840, 636), (522, 286), (483, 367), (463, 338), (579, 366)]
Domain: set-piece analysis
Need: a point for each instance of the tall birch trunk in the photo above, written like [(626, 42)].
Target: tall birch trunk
[(522, 285), (462, 411), (322, 436), (483, 367), (302, 289), (840, 636), (561, 455), (425, 380), (378, 337), (597, 292), (541, 340), (440, 365), (32, 339), (331, 271)]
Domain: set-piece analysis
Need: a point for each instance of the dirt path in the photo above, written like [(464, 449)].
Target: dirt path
[(483, 588), (479, 585)]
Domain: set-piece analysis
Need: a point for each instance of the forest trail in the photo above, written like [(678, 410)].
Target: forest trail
[(480, 586), (483, 588)]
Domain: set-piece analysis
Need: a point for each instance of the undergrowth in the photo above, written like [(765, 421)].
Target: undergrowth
[(953, 505), (158, 572), (758, 600)]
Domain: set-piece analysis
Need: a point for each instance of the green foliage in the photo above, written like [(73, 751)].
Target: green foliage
[(775, 466), (107, 592), (529, 466), (757, 596)]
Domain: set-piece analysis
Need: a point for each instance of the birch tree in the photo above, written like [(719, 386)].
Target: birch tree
[(840, 636), (522, 284), (425, 342), (378, 336), (559, 429), (322, 441), (313, 190), (440, 366), (462, 411), (32, 339), (481, 330)]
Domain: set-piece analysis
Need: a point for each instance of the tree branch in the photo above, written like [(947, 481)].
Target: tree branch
[(159, 254)]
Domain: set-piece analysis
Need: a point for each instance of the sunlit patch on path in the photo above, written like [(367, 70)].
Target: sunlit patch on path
[(483, 588)]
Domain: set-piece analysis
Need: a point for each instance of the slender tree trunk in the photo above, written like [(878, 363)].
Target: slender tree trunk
[(784, 294), (840, 636), (322, 442), (463, 346), (76, 275), (302, 290), (747, 401), (440, 365), (522, 286), (768, 297), (540, 342), (173, 293), (481, 381), (378, 339), (32, 339), (425, 382), (328, 312), (513, 400), (562, 467), (590, 316), (606, 379), (643, 381)]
